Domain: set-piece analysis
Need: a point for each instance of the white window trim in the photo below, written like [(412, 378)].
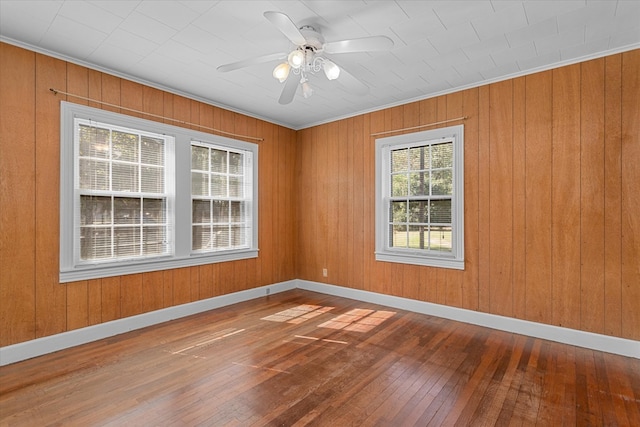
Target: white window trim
[(247, 182), (181, 233), (383, 252)]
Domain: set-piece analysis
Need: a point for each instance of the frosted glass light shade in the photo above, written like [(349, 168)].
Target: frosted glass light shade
[(296, 58), (281, 72), (331, 70)]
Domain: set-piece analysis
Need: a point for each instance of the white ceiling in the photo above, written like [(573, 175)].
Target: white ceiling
[(439, 46)]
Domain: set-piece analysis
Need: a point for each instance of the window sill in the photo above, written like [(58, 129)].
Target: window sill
[(440, 262), (97, 271)]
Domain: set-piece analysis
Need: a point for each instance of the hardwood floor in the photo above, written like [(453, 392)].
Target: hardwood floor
[(301, 358)]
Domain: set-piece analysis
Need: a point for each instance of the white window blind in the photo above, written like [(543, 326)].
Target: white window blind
[(221, 189), (122, 198), (421, 189)]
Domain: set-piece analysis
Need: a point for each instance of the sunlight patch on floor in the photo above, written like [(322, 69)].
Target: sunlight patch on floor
[(299, 314), (358, 320)]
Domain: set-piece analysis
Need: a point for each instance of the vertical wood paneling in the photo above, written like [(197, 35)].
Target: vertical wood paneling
[(181, 285), (612, 200), (131, 295), (551, 183), (484, 177), (519, 199), (152, 294), (167, 288), (194, 273), (322, 244), (630, 191), (110, 93), (284, 234), (131, 98), (500, 197), (94, 301), (303, 180), (565, 190), (278, 205), (17, 185), (453, 278), (336, 203), (110, 306), (368, 188), (592, 197), (349, 262), (77, 315), (51, 303), (471, 168), (359, 218), (266, 171), (538, 131)]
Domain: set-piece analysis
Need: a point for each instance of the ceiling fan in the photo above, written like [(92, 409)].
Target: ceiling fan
[(308, 58)]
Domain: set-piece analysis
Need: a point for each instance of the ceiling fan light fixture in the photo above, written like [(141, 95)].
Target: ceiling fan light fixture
[(307, 90), (331, 70), (281, 72), (296, 59)]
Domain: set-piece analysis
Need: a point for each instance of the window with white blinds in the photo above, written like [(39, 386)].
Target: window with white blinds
[(419, 198), (138, 196), (220, 198), (123, 205)]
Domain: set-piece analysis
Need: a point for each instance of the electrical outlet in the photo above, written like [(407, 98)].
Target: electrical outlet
[(268, 291), (325, 273)]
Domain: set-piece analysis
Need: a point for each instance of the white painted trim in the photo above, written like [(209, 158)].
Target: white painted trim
[(606, 343), (38, 347)]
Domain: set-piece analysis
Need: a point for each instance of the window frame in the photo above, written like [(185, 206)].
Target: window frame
[(383, 251), (245, 200), (180, 199)]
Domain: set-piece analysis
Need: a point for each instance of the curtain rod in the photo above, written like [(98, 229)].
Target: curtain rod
[(55, 92), (421, 126)]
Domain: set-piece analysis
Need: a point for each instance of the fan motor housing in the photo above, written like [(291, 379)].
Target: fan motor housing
[(314, 38)]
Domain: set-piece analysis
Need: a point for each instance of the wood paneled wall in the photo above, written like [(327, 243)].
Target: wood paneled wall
[(33, 303), (552, 199), (552, 205)]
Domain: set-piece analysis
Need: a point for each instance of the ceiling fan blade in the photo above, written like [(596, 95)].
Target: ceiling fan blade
[(365, 44), (286, 26), (289, 90), (352, 83), (251, 61)]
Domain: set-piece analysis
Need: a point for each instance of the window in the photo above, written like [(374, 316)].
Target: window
[(221, 198), (140, 196), (419, 198), (124, 193)]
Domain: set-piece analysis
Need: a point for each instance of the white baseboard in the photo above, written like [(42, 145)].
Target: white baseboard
[(40, 346), (606, 343)]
